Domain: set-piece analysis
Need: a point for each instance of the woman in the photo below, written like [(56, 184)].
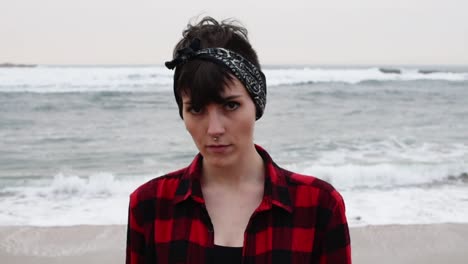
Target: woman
[(232, 204)]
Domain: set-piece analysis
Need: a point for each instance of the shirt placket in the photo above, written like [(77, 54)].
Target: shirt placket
[(264, 206), (210, 230)]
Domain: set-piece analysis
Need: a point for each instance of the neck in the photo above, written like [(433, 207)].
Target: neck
[(249, 170)]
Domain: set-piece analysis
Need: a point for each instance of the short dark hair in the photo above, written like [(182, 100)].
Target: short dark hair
[(202, 80)]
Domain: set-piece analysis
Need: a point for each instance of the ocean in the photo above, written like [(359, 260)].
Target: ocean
[(75, 141)]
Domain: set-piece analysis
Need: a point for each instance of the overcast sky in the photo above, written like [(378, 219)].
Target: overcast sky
[(289, 32)]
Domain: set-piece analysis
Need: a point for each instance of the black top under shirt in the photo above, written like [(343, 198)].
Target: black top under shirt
[(226, 255)]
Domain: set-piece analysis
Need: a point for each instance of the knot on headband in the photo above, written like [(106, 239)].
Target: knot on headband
[(252, 78), (183, 55)]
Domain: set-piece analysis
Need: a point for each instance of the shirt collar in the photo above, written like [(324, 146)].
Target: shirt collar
[(276, 191)]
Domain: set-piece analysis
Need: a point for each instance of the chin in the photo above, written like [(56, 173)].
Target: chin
[(220, 161)]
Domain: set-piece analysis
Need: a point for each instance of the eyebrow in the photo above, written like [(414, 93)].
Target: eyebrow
[(225, 99), (228, 98)]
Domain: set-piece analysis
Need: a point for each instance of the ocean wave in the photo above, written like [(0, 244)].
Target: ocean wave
[(411, 205), (374, 75), (153, 78), (84, 79), (356, 176), (65, 186), (102, 199), (67, 199), (381, 163)]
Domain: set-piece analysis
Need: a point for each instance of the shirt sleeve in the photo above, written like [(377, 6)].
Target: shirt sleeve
[(135, 234), (337, 246)]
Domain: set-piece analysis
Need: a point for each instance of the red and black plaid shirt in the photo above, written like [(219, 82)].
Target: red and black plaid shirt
[(301, 219)]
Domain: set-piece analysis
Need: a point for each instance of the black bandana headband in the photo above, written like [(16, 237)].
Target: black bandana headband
[(252, 78)]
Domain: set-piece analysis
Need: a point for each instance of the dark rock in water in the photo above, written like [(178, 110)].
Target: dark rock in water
[(12, 65), (464, 176), (452, 178), (390, 70), (428, 71)]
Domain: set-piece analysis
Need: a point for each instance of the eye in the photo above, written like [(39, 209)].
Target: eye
[(231, 106), (194, 110)]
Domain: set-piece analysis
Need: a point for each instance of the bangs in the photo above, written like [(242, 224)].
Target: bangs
[(203, 82)]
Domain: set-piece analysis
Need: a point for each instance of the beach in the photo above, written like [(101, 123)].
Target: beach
[(433, 243)]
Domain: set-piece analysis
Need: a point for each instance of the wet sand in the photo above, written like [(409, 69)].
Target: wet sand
[(435, 243)]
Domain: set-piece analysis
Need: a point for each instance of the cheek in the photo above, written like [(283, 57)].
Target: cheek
[(246, 126), (249, 127), (250, 118), (190, 127), (196, 130)]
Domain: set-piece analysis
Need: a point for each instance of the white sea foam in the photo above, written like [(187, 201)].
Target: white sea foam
[(443, 204), (383, 182), (352, 76), (153, 78), (385, 176), (386, 163), (69, 200), (102, 198), (84, 79)]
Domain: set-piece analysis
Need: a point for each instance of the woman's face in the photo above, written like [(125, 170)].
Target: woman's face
[(231, 122)]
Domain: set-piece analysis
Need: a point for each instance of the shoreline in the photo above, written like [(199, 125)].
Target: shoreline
[(424, 243)]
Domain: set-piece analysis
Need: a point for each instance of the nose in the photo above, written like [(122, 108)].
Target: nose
[(215, 122)]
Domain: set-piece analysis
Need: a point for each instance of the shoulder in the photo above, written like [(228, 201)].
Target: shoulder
[(163, 187), (311, 190)]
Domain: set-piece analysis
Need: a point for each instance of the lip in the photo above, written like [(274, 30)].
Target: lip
[(218, 148)]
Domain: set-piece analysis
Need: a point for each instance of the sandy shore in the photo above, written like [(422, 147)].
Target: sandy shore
[(441, 243)]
